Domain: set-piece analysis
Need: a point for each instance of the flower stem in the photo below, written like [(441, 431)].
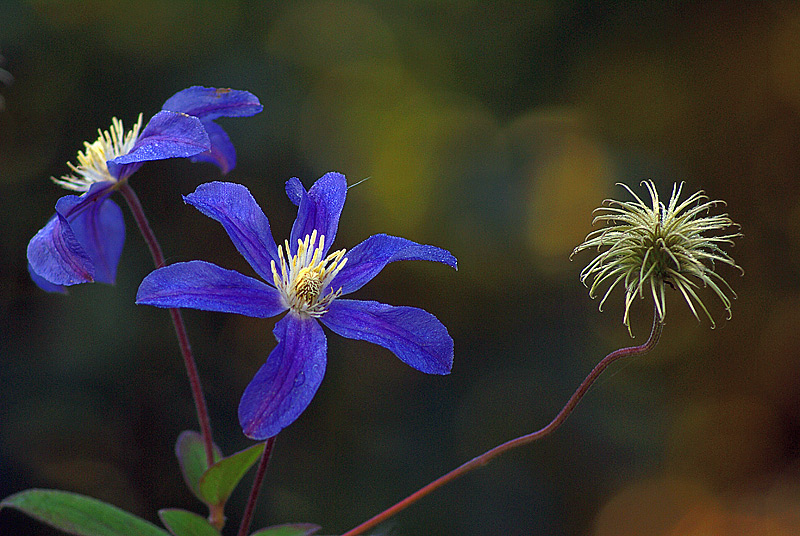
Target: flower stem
[(247, 517), (489, 455), (177, 321)]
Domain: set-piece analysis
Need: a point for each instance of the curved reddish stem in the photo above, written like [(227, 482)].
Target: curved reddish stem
[(489, 455), (177, 321)]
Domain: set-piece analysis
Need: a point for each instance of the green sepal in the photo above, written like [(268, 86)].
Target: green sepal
[(191, 453), (217, 484), (291, 529), (79, 515), (183, 523)]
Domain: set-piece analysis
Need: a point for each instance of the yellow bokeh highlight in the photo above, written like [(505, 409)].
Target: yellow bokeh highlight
[(568, 173), (652, 507), (671, 505), (370, 113), (376, 120)]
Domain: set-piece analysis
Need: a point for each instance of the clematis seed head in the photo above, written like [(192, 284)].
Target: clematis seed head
[(648, 247)]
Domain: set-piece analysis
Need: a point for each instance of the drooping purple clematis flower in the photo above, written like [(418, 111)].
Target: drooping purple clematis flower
[(301, 277), (82, 243)]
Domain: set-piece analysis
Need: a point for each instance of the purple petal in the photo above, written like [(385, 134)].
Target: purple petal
[(44, 284), (414, 335), (100, 229), (122, 171), (208, 103), (284, 386), (222, 154), (55, 255), (167, 135), (369, 257), (63, 255), (295, 191), (70, 206), (206, 286), (320, 209), (233, 206)]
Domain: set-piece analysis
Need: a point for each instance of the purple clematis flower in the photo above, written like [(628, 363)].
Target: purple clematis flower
[(301, 277), (82, 243)]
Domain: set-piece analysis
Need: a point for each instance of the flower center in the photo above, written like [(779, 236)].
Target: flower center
[(92, 167), (302, 277)]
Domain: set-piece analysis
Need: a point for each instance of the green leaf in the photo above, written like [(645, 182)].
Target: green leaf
[(78, 514), (217, 484), (183, 523), (191, 453), (292, 529)]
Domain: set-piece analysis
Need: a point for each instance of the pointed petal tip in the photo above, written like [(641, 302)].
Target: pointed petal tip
[(415, 336), (367, 259), (442, 367), (447, 367), (452, 262), (284, 386)]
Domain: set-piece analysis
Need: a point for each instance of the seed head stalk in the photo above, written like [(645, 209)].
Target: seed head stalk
[(558, 420)]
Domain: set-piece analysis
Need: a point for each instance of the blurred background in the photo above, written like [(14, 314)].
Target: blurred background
[(492, 130)]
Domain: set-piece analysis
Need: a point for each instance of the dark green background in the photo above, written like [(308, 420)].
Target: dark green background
[(492, 130)]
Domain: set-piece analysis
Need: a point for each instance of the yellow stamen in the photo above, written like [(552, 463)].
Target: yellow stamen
[(92, 167), (302, 277)]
